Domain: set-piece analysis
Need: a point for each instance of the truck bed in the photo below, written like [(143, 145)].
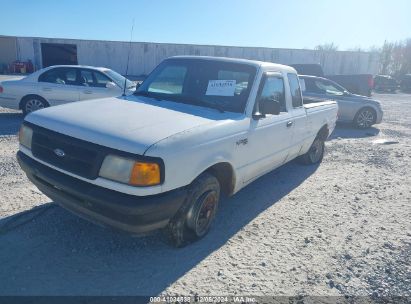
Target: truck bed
[(312, 101), (318, 114)]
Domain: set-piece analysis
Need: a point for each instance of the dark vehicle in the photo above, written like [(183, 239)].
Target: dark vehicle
[(385, 83), (361, 84), (406, 83), (362, 111)]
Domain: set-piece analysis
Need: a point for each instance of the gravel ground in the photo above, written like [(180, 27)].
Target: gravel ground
[(340, 228)]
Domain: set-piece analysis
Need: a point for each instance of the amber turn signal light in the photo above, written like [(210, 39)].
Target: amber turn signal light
[(145, 174)]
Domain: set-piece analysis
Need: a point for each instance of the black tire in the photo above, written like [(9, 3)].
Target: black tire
[(365, 118), (33, 103), (193, 220), (315, 154)]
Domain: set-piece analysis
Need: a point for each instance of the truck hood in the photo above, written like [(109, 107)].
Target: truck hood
[(129, 123)]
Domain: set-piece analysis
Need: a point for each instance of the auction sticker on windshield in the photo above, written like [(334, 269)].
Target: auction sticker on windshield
[(221, 87)]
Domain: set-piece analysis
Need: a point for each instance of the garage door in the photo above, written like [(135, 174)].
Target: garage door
[(58, 53)]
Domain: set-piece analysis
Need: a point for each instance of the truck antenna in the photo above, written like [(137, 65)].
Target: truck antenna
[(128, 59)]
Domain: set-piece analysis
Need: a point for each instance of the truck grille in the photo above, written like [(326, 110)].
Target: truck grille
[(68, 153)]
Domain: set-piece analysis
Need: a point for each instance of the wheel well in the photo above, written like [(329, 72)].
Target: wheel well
[(31, 96), (225, 174), (323, 133)]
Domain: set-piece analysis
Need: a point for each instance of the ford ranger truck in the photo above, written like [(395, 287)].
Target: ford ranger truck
[(197, 128)]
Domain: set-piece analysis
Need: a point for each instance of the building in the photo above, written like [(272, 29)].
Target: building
[(144, 56)]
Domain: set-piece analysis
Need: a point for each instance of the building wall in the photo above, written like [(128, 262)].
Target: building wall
[(8, 50), (145, 56)]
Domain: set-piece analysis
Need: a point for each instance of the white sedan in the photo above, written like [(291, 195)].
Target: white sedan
[(61, 84)]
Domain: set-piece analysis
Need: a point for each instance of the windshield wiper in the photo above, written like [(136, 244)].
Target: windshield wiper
[(184, 99), (147, 94)]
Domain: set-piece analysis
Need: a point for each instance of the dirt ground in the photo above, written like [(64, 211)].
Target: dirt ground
[(340, 228)]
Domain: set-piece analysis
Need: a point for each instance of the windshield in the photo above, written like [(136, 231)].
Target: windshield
[(119, 79), (329, 88), (321, 86), (215, 84)]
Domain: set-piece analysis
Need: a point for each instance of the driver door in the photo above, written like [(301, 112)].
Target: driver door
[(94, 85), (334, 92), (270, 137)]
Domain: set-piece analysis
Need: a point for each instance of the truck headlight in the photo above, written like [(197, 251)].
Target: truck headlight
[(129, 171), (25, 136)]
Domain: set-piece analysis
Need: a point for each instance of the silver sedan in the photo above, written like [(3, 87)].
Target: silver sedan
[(362, 111), (61, 84)]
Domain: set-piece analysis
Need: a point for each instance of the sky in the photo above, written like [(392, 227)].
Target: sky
[(280, 24)]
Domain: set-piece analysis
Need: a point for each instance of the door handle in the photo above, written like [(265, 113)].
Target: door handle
[(87, 92), (47, 89), (289, 124)]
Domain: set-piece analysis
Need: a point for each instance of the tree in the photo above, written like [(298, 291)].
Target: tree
[(326, 47), (325, 51), (406, 58), (386, 57), (356, 49), (395, 58)]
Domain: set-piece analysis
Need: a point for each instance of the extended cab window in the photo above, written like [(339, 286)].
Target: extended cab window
[(60, 76), (273, 91), (221, 85), (295, 89)]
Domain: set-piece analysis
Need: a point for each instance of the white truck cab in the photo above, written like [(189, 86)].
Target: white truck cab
[(197, 128)]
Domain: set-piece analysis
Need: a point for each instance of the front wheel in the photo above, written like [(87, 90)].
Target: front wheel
[(315, 154), (365, 118), (194, 219)]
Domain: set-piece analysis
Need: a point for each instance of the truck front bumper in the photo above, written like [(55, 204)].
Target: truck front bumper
[(134, 214)]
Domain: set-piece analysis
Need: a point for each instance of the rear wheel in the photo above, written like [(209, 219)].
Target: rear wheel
[(194, 219), (33, 103), (365, 118), (315, 154)]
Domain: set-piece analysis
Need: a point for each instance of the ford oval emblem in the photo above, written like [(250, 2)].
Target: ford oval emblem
[(59, 152)]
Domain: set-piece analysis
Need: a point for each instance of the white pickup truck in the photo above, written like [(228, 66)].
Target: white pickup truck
[(196, 128)]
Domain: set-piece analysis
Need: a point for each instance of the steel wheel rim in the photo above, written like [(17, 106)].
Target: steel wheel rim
[(206, 213), (315, 151), (33, 105), (365, 118)]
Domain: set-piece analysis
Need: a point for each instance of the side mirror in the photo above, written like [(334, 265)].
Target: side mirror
[(110, 85), (258, 115), (269, 106)]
